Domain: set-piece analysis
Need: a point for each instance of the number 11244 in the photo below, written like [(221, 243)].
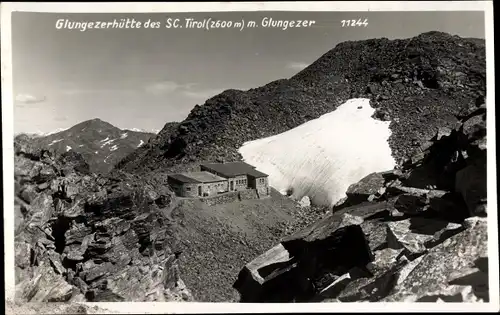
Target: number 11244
[(354, 23)]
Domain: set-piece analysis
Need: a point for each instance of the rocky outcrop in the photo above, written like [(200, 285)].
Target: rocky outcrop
[(121, 237), (83, 237), (419, 84), (415, 233)]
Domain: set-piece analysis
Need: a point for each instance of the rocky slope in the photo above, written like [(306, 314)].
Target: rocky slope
[(101, 144), (84, 237), (416, 233), (120, 237), (419, 84), (154, 144)]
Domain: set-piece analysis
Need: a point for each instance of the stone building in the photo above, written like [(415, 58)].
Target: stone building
[(240, 176), (216, 178), (197, 184)]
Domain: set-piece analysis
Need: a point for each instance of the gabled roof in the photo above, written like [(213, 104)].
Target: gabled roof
[(204, 177), (183, 179), (197, 177), (232, 169)]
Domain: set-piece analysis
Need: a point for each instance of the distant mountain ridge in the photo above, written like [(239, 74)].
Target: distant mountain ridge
[(419, 84), (100, 143)]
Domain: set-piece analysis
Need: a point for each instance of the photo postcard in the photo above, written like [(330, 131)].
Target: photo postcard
[(249, 157)]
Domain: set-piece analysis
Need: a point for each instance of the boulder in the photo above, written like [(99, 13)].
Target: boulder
[(416, 235), (411, 204), (305, 202), (444, 263), (366, 187), (29, 193), (40, 210), (44, 286), (470, 182), (266, 276), (325, 251)]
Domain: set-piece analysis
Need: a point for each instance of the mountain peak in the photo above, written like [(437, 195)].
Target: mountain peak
[(100, 143), (433, 76), (95, 121)]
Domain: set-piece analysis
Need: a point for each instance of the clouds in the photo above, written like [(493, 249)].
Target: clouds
[(297, 66), (94, 91), (190, 90), (28, 98), (166, 87), (202, 93)]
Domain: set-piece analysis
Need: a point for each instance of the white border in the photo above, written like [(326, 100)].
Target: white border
[(136, 7)]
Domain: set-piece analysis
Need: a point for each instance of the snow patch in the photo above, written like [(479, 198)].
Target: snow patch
[(146, 131), (68, 148), (96, 152), (81, 145), (107, 142), (113, 148), (54, 131), (39, 133), (323, 157), (140, 144), (55, 141), (107, 138), (124, 135)]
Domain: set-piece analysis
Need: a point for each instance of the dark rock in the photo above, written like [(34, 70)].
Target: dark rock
[(73, 161), (416, 235), (267, 277), (418, 158), (474, 127), (411, 204), (392, 174), (449, 207), (475, 278), (334, 288), (327, 252), (436, 269), (371, 88), (97, 272), (41, 210), (470, 182), (75, 210), (372, 288), (319, 231), (55, 260), (375, 232), (367, 186), (384, 259), (416, 192), (29, 193), (44, 286)]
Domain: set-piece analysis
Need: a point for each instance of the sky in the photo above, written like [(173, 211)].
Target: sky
[(143, 78)]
